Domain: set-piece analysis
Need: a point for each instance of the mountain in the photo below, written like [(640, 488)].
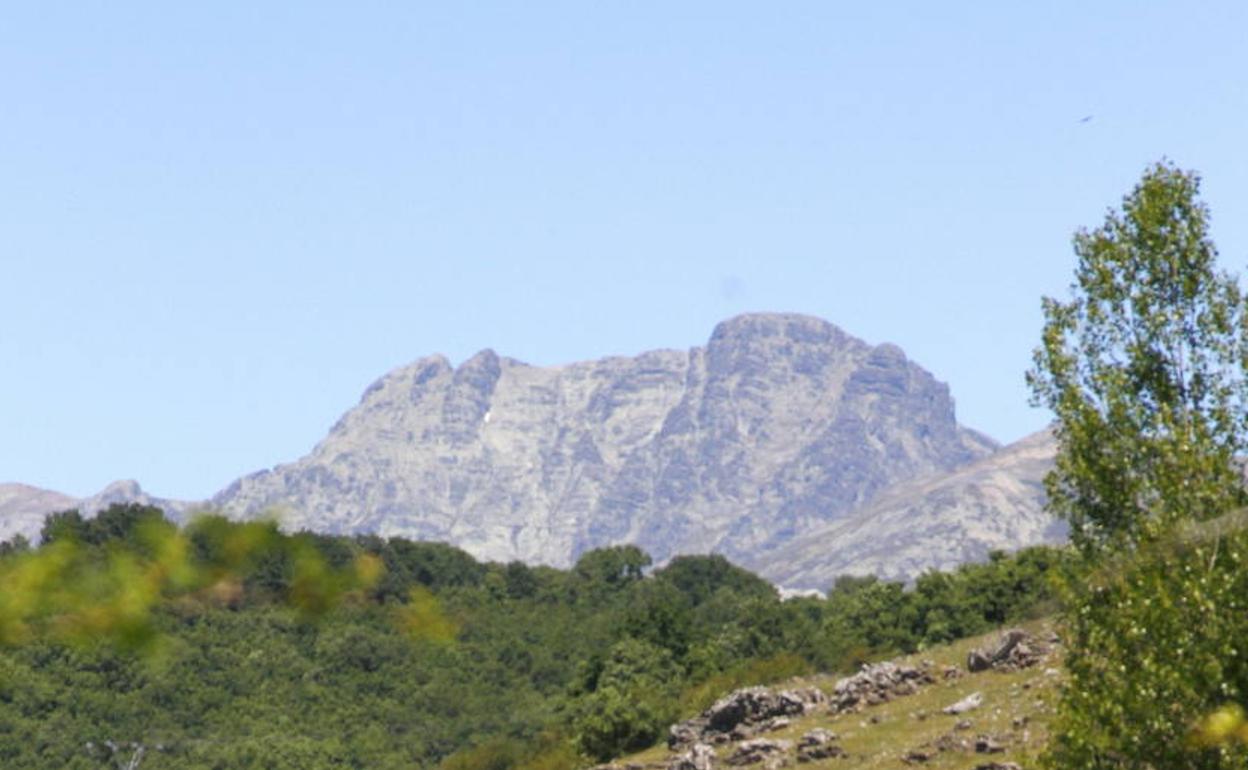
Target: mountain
[(780, 425), (935, 522), (23, 508)]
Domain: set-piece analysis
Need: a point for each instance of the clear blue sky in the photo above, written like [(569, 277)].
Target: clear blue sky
[(219, 222)]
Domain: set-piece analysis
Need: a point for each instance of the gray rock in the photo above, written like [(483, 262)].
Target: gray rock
[(759, 750), (1015, 649), (935, 521), (699, 757), (780, 425), (819, 736), (986, 744), (743, 713), (23, 508), (969, 703), (877, 683)]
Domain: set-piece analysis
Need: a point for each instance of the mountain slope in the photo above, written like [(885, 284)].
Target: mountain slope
[(23, 508), (779, 424), (935, 522)]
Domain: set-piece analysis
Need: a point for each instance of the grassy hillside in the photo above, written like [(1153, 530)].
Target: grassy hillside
[(1015, 713)]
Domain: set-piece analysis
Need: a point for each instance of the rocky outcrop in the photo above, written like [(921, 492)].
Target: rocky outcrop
[(779, 425), (742, 714), (1015, 649), (878, 683)]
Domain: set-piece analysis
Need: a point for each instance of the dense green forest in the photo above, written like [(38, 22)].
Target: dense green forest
[(253, 648)]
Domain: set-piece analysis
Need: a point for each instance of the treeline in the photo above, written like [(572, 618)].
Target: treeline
[(245, 647)]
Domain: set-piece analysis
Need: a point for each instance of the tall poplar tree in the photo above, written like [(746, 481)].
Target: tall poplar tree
[(1144, 369)]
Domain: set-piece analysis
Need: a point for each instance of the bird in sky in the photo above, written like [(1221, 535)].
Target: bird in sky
[(1085, 119)]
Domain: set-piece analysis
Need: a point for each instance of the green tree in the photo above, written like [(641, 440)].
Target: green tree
[(1144, 369)]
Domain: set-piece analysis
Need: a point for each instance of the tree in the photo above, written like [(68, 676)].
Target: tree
[(1144, 370)]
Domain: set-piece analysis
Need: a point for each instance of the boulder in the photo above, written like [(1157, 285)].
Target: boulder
[(970, 702), (1015, 649)]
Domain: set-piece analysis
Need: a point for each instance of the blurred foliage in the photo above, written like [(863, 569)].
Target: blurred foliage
[(1156, 658), (234, 645)]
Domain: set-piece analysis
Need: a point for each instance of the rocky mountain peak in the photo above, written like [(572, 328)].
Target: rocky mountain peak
[(780, 423)]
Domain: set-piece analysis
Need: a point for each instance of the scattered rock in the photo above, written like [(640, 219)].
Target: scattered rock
[(963, 724), (972, 701), (951, 742), (818, 744), (758, 750), (985, 744), (699, 757), (998, 766), (918, 756), (876, 684), (814, 753)]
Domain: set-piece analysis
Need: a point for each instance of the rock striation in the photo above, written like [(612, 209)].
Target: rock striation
[(937, 521), (781, 424)]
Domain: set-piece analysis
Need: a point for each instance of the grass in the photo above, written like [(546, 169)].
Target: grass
[(1015, 712)]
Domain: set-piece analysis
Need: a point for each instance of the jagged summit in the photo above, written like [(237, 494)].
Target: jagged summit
[(780, 423)]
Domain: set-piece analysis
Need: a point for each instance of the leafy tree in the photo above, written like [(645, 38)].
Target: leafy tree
[(699, 577), (632, 701), (1144, 369), (611, 568)]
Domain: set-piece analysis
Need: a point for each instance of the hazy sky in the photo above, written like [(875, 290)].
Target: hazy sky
[(219, 222)]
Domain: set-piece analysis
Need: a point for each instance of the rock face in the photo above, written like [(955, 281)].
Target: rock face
[(23, 508), (934, 522), (781, 424)]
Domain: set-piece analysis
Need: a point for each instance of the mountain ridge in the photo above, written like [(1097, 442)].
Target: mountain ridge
[(776, 444), (778, 423)]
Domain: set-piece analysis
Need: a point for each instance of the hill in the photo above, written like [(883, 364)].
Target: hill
[(890, 715)]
